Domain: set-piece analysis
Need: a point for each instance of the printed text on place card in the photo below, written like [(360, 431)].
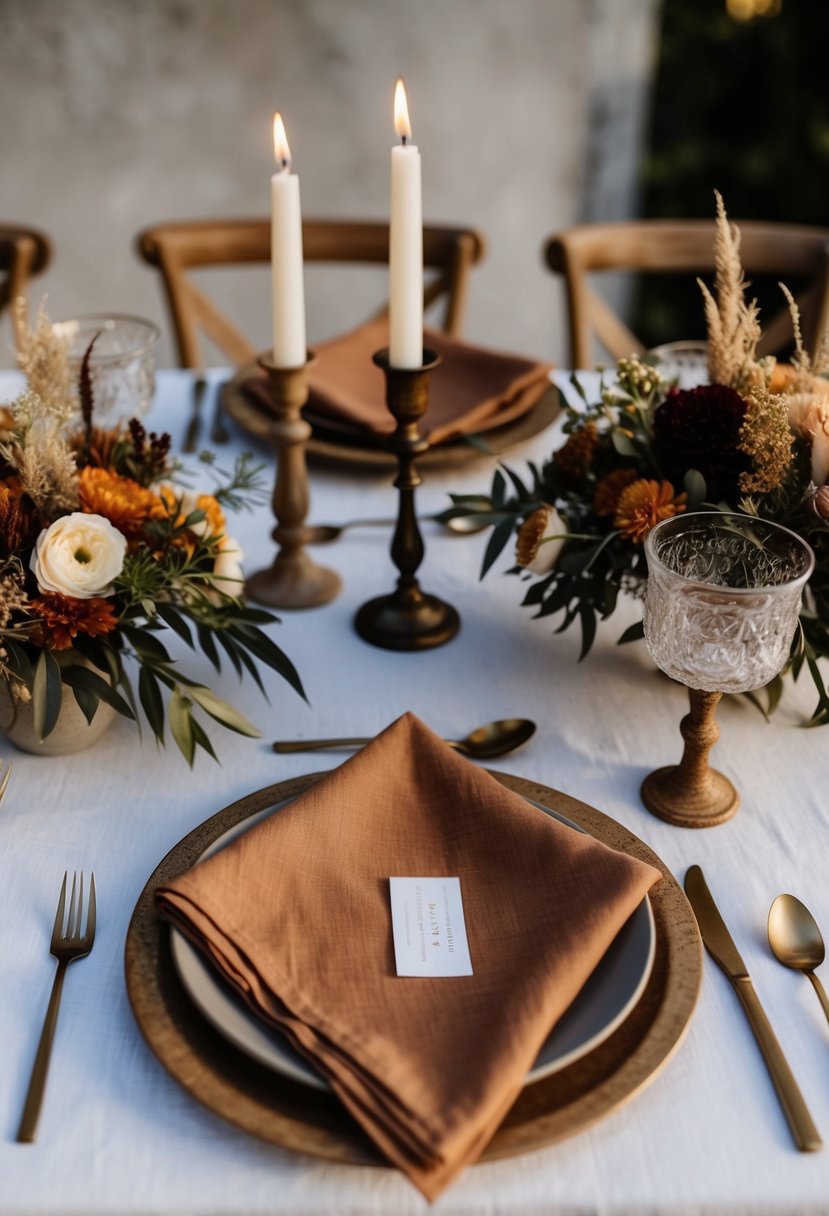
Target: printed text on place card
[(428, 927)]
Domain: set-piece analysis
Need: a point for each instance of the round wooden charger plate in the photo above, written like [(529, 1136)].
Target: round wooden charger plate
[(312, 1122), (343, 447)]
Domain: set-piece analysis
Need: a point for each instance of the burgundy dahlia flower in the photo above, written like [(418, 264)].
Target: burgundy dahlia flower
[(699, 428)]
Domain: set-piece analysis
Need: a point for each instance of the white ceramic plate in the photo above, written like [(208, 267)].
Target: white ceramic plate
[(602, 1005)]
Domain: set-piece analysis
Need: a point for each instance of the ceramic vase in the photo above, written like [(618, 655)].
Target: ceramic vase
[(71, 732)]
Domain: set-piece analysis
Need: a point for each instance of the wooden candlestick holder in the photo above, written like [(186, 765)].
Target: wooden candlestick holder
[(408, 619), (294, 580), (690, 794)]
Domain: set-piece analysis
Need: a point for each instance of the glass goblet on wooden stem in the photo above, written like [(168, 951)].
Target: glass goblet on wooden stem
[(721, 609)]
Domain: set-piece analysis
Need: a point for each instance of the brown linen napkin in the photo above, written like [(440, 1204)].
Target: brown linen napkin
[(295, 913), (473, 389)]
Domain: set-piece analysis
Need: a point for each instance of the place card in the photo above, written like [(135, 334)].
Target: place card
[(428, 927)]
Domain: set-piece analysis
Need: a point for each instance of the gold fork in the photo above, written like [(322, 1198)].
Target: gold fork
[(5, 774), (67, 945)]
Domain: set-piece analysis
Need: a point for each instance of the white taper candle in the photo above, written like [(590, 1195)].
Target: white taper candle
[(405, 244), (288, 284)]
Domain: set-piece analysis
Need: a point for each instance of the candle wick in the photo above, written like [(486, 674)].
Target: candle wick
[(404, 139), (286, 164)]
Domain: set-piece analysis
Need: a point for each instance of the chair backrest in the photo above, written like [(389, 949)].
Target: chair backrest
[(24, 252), (671, 246), (176, 248)]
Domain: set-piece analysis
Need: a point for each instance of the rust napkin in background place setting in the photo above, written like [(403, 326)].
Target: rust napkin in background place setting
[(295, 913), (472, 390)]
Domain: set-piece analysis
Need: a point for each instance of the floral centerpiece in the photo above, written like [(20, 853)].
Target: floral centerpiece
[(754, 438), (102, 550)]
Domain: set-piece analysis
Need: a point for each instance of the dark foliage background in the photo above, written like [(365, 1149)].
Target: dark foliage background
[(742, 107)]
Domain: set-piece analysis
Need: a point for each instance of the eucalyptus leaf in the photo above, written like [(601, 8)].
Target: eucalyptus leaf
[(500, 537), (577, 385), (520, 489), (82, 677), (260, 645), (633, 633), (225, 640), (695, 488), (622, 443), (588, 629), (152, 702), (86, 701), (146, 644), (170, 616), (223, 712), (201, 738), (46, 694), (181, 725)]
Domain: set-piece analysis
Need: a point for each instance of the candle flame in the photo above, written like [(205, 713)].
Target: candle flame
[(401, 112), (280, 143)]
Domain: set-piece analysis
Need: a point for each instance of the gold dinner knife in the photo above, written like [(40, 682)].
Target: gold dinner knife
[(720, 945)]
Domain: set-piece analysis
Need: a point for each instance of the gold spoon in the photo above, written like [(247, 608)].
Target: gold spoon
[(323, 534), (796, 941), (485, 743)]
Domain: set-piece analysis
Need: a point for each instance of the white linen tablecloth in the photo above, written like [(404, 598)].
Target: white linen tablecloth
[(117, 1135)]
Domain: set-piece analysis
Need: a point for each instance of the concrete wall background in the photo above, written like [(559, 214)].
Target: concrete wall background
[(117, 114)]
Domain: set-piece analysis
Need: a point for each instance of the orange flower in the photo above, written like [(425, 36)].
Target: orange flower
[(213, 523), (609, 490), (541, 538), (643, 505), (119, 499), (64, 618), (7, 422), (574, 458)]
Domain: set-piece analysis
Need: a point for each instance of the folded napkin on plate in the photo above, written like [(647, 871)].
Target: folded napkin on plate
[(295, 913), (473, 389)]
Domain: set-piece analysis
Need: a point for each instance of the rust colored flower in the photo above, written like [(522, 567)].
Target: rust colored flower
[(540, 540), (64, 618), (101, 449), (122, 501), (609, 490), (7, 422), (576, 455), (19, 524), (643, 505)]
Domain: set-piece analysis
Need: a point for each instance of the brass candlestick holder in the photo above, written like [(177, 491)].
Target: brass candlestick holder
[(690, 794), (294, 580), (408, 619)]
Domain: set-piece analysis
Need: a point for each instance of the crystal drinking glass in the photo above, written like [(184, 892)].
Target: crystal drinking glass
[(122, 363), (684, 362), (721, 609)]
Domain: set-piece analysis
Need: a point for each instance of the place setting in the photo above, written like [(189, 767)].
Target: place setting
[(627, 1019)]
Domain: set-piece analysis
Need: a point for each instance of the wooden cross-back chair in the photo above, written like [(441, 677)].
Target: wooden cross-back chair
[(671, 246), (177, 248), (24, 252)]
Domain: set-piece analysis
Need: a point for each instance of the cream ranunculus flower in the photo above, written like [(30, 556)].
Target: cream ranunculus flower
[(188, 502), (541, 538), (810, 416), (227, 567), (78, 556)]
